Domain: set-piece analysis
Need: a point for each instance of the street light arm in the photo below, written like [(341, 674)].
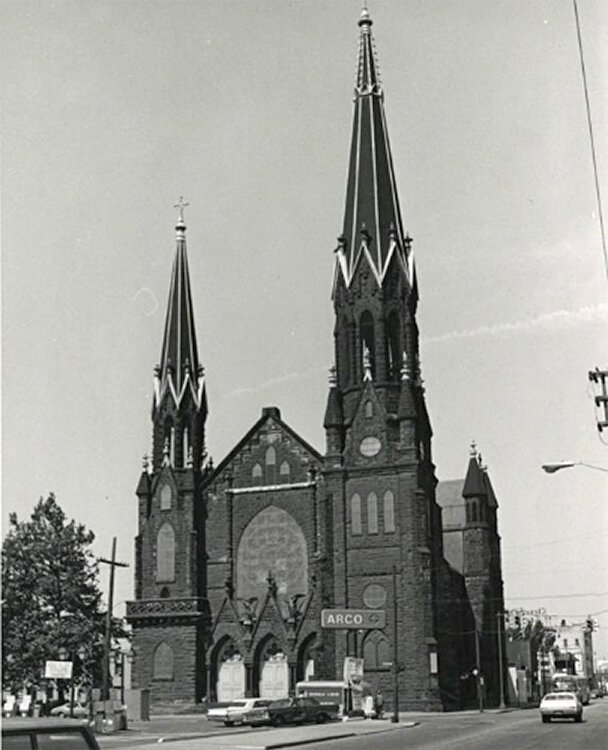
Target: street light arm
[(552, 468)]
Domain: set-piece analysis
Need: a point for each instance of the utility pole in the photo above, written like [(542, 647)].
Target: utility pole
[(395, 717), (501, 685), (105, 695)]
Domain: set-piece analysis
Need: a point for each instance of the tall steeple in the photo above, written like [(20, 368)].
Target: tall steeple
[(375, 292), (373, 227), (180, 402)]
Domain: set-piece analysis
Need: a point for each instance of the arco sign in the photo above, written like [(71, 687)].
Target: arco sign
[(353, 619)]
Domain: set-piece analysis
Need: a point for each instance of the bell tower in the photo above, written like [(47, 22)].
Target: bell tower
[(378, 466), (169, 614)]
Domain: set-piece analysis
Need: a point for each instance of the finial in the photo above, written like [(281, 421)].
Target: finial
[(341, 244), (479, 461), (473, 448), (145, 462), (367, 364), (364, 18), (187, 366), (180, 205), (157, 371), (333, 380), (408, 243), (189, 458), (405, 373), (166, 452), (392, 231), (365, 235)]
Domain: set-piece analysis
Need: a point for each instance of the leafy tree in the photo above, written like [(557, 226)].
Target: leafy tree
[(51, 597)]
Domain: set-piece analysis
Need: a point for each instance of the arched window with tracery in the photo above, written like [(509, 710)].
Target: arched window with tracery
[(162, 668), (165, 553), (372, 513), (285, 471), (376, 651), (355, 514), (272, 543)]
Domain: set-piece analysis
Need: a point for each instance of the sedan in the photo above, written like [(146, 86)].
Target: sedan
[(561, 706), (80, 711), (242, 711)]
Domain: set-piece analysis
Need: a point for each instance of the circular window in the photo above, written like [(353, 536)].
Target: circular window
[(374, 596), (370, 446)]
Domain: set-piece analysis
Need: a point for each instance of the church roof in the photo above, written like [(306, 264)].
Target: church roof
[(180, 370), (373, 228)]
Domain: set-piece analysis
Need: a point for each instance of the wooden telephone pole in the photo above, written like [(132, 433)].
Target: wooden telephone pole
[(105, 695)]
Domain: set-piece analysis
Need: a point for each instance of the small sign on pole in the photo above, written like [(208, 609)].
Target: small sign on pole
[(353, 619), (58, 670)]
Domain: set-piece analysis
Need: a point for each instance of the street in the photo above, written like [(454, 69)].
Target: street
[(520, 729)]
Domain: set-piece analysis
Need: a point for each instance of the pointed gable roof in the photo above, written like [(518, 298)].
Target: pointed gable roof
[(475, 482), (373, 228), (180, 370)]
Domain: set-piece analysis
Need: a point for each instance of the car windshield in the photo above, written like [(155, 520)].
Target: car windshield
[(559, 697), (236, 704)]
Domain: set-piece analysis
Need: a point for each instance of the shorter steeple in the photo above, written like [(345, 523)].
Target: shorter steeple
[(180, 402), (180, 371)]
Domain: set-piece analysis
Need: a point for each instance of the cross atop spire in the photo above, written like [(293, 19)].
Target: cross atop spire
[(180, 205)]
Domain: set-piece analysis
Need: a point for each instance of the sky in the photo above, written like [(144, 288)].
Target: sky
[(112, 110)]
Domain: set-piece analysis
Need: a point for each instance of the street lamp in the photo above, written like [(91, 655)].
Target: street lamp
[(552, 468)]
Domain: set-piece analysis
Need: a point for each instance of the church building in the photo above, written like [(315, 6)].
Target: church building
[(235, 563)]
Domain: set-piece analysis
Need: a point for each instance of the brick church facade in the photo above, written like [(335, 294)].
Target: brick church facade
[(235, 562)]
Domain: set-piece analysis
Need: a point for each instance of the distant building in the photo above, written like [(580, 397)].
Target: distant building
[(234, 563), (575, 642)]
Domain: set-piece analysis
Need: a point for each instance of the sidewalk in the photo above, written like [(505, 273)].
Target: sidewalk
[(169, 729)]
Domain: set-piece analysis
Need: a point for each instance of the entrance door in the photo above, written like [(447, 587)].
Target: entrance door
[(231, 681), (274, 682)]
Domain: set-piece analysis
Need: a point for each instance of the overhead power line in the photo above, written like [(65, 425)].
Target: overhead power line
[(591, 138)]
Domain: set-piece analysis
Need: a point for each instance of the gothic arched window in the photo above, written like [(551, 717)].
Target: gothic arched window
[(372, 513), (163, 662), (166, 497), (285, 471), (271, 465), (272, 544), (369, 409), (256, 472), (394, 348), (355, 514), (165, 553), (376, 651), (368, 340), (389, 512)]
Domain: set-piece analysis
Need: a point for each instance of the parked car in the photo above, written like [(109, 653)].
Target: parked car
[(300, 711), (80, 711), (241, 711), (561, 706), (51, 734)]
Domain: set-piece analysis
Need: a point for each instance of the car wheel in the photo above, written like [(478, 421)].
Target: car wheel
[(322, 718), (62, 715), (228, 723), (546, 719), (578, 718), (278, 721)]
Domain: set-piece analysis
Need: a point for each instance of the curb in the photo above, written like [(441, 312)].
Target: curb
[(330, 737)]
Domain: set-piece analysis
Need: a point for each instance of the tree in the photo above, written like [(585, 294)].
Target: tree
[(51, 596)]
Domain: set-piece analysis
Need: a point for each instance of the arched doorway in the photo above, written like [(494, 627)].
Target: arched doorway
[(274, 671), (230, 673)]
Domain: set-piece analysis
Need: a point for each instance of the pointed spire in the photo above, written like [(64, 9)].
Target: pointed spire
[(371, 192), (179, 354)]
